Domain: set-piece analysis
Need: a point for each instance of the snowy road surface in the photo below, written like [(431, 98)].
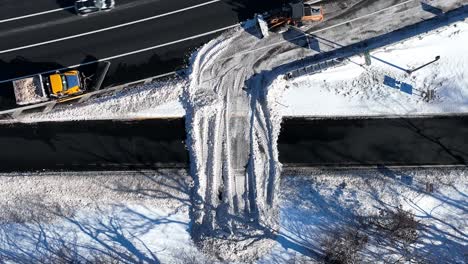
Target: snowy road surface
[(230, 131)]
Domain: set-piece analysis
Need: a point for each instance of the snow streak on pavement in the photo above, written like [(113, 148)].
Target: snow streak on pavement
[(232, 135)]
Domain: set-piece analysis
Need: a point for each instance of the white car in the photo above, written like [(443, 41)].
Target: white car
[(85, 7)]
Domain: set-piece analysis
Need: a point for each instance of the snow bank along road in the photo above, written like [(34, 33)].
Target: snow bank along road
[(47, 35)]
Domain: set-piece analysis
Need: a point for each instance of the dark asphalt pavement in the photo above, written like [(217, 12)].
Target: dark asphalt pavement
[(117, 41), (375, 141), (97, 145), (120, 145)]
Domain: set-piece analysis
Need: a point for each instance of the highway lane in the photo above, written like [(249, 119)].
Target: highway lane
[(109, 145), (56, 146), (65, 23), (130, 38), (120, 40), (374, 141), (16, 8)]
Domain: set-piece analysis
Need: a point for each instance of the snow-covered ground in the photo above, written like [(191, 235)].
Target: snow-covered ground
[(359, 90), (143, 217)]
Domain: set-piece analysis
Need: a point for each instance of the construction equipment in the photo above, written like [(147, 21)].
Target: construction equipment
[(295, 13), (40, 88)]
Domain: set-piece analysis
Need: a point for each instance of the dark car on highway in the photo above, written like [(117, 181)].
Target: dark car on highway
[(85, 7)]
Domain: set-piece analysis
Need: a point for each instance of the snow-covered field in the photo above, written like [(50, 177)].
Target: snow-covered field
[(143, 217), (357, 89)]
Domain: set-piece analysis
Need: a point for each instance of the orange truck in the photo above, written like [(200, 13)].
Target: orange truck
[(42, 88), (295, 13)]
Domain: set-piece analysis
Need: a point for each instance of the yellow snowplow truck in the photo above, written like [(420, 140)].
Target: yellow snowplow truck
[(41, 88)]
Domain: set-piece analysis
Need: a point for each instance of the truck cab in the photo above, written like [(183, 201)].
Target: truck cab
[(64, 84)]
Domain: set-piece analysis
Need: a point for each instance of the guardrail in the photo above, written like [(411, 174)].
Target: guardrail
[(48, 106), (313, 68)]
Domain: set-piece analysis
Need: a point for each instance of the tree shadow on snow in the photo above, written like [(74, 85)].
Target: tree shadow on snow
[(438, 239), (314, 212), (105, 236)]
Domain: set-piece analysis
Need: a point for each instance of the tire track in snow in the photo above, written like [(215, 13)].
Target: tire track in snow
[(235, 181)]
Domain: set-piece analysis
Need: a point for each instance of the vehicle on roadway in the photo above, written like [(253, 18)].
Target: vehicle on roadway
[(86, 7), (295, 14), (42, 88)]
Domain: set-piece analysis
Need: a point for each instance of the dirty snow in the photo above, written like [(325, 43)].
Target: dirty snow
[(153, 100), (235, 181), (125, 216), (29, 91)]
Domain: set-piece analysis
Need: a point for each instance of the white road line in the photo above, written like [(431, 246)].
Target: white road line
[(36, 14), (130, 53), (110, 28)]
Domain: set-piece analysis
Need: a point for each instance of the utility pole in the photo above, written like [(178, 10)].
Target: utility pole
[(367, 57)]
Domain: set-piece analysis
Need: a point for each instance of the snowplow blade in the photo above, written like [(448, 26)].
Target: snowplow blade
[(263, 25)]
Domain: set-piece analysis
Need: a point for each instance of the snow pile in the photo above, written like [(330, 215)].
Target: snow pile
[(217, 117), (153, 100), (356, 89), (231, 133)]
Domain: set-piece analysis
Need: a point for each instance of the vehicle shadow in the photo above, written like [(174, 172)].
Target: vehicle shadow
[(245, 9), (20, 66), (68, 5)]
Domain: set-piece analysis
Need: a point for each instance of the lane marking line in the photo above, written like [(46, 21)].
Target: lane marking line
[(110, 28), (129, 53), (36, 14)]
